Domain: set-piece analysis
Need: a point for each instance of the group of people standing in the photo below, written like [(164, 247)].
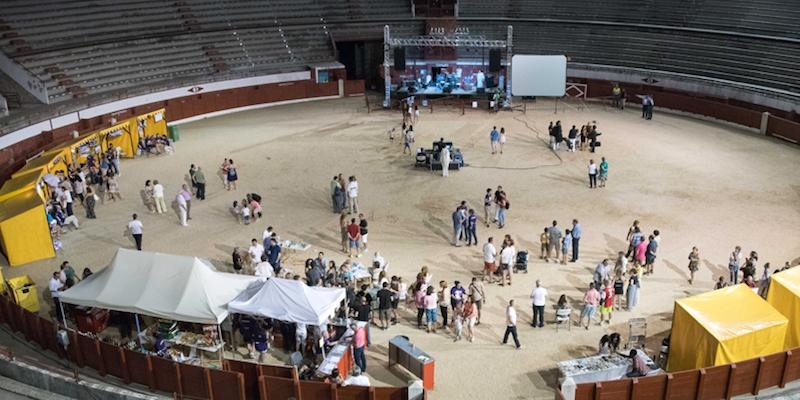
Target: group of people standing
[(344, 194), (575, 140), (555, 245)]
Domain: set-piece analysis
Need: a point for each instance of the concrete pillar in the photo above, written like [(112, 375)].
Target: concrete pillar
[(764, 122), (341, 87)]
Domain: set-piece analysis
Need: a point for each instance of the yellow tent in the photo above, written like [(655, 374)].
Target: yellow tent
[(151, 124), (123, 135), (784, 295), (80, 148), (723, 326), (20, 183), (24, 232)]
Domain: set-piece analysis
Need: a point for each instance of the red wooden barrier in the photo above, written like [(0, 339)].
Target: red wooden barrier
[(649, 388), (613, 390), (682, 386), (250, 373), (316, 390), (771, 370), (193, 381), (744, 376), (390, 393), (584, 391), (783, 128), (353, 393), (139, 368), (114, 361), (713, 383), (226, 385), (273, 388), (31, 322), (278, 371), (165, 374), (90, 353), (791, 371)]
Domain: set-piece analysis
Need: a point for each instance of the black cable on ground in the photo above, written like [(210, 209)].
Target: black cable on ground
[(538, 136)]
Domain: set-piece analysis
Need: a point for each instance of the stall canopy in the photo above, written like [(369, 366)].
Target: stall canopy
[(723, 326), (784, 295), (24, 232), (288, 300), (162, 285)]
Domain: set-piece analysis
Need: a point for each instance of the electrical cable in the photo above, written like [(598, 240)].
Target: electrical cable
[(538, 136)]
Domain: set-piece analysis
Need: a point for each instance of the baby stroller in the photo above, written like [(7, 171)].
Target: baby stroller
[(521, 263)]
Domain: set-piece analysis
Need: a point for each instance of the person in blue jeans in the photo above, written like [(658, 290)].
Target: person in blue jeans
[(472, 226), (359, 343), (734, 262), (502, 206), (576, 238)]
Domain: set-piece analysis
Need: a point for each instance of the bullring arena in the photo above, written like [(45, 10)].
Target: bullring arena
[(713, 173)]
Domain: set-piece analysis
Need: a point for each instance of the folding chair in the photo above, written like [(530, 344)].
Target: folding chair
[(637, 333), (564, 315)]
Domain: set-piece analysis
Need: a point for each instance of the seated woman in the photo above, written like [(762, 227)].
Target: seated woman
[(562, 302)]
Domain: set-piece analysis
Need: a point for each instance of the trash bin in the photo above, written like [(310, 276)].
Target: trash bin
[(174, 133), (25, 294)]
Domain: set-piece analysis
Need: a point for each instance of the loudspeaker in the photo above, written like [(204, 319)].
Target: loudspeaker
[(494, 60), (400, 59)]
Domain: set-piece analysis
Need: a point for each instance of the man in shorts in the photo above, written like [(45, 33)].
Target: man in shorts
[(384, 305), (590, 300), (476, 295), (353, 238), (489, 260), (606, 302)]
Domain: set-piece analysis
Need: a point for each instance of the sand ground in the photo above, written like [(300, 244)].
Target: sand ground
[(700, 183)]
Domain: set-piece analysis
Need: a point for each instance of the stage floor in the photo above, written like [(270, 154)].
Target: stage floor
[(435, 91)]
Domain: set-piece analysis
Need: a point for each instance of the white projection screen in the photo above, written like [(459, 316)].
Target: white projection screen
[(538, 75)]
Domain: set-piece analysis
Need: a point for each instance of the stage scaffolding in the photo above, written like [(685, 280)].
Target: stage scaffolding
[(458, 39)]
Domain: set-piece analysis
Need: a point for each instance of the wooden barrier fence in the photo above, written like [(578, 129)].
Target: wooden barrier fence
[(719, 382), (238, 380)]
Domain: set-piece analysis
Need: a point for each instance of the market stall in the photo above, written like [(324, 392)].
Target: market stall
[(288, 300), (24, 232), (784, 295), (123, 135), (606, 367), (79, 149), (722, 327), (151, 124), (165, 286)]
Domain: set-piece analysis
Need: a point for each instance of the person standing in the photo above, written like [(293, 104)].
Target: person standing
[(601, 273), (487, 205), (566, 244), (353, 238), (603, 175), (734, 262), (359, 344), (632, 295), (158, 195), (592, 174), (200, 183), (233, 175), (590, 300), (607, 302), (489, 260), (90, 202), (573, 137), (334, 192), (494, 138), (502, 138), (502, 206), (458, 226), (476, 297), (408, 139), (364, 231), (694, 262), (650, 256), (470, 315), (56, 286), (182, 208), (576, 239), (443, 300), (192, 171), (187, 195), (149, 200), (352, 194), (539, 297), (554, 241), (472, 227), (135, 228), (445, 159), (384, 305), (430, 302), (511, 324), (507, 261)]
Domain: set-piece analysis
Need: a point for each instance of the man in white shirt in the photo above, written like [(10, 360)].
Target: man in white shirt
[(266, 236), (158, 196), (489, 260), (67, 195), (56, 286), (352, 194), (264, 269), (183, 208), (511, 324), (135, 227), (256, 250), (539, 297), (356, 378), (507, 263)]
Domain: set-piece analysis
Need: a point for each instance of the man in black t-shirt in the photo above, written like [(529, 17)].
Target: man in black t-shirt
[(362, 226), (363, 312), (384, 305)]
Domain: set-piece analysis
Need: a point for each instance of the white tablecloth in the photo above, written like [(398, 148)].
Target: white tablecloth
[(598, 368)]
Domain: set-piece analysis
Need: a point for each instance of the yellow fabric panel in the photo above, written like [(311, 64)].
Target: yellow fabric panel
[(73, 148), (24, 231), (723, 326), (153, 127), (19, 184), (127, 141), (784, 295), (691, 346)]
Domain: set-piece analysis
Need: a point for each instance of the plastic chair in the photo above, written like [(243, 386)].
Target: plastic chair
[(564, 315), (637, 328)]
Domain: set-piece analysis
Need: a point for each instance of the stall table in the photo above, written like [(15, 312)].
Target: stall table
[(179, 339), (599, 368), (340, 356), (412, 358)]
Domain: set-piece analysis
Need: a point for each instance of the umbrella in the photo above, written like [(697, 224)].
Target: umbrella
[(51, 180)]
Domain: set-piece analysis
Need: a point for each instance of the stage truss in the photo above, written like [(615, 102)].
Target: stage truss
[(440, 39)]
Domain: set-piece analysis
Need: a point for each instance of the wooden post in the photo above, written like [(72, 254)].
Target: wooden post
[(126, 375), (789, 356), (209, 387), (100, 358), (757, 387), (178, 379), (700, 384), (634, 387), (731, 373), (668, 386)]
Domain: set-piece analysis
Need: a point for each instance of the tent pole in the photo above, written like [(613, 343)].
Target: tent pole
[(63, 315), (139, 333), (221, 349)]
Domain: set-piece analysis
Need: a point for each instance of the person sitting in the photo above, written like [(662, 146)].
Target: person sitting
[(356, 378), (562, 302), (334, 377), (638, 365)]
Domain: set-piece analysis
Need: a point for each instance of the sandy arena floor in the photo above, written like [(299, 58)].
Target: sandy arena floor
[(700, 183)]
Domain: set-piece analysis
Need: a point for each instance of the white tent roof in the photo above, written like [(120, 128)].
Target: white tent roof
[(288, 300), (162, 285)]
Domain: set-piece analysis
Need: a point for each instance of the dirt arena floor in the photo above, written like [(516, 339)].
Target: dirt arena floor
[(700, 183)]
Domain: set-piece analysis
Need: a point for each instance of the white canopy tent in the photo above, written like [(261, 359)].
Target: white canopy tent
[(166, 286), (288, 300)]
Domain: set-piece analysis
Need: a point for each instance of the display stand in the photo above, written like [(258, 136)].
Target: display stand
[(410, 357)]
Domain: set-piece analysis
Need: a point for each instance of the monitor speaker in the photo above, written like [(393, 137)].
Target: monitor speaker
[(400, 58), (494, 60)]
